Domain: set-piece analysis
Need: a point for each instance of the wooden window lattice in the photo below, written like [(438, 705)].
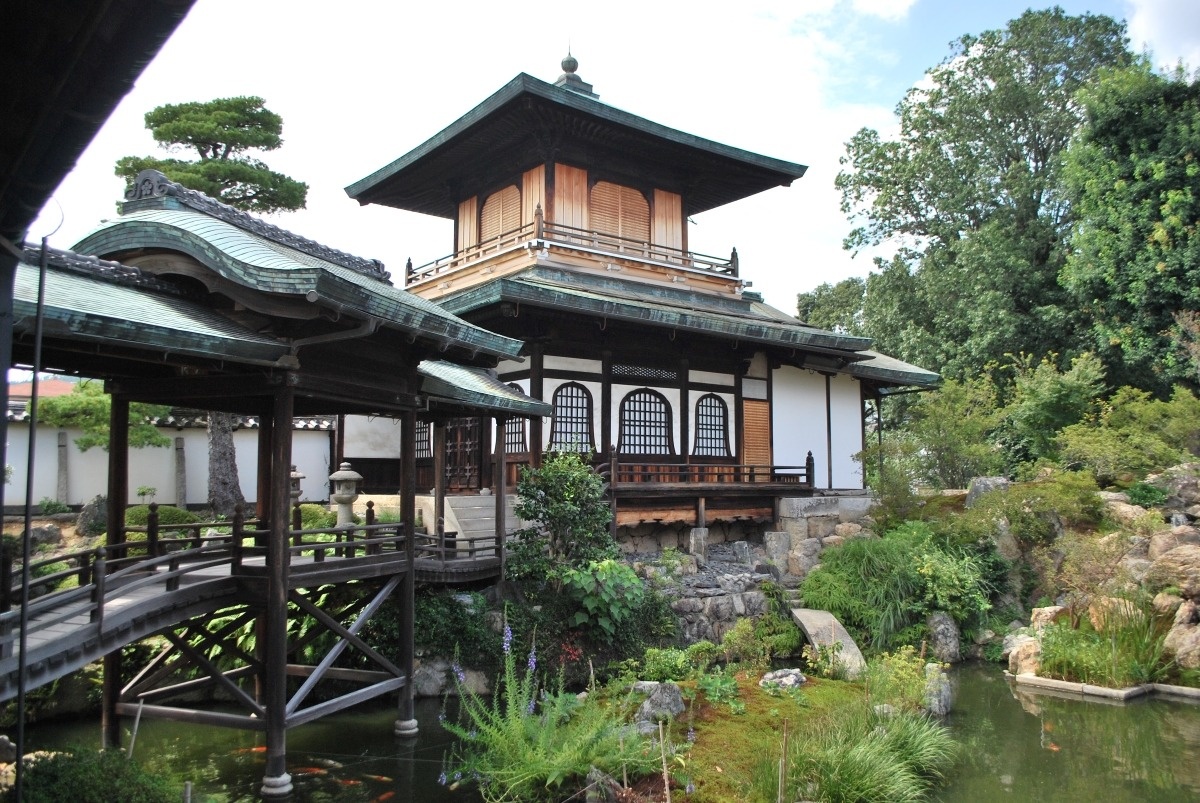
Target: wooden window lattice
[(501, 213), (571, 428), (621, 211), (644, 372), (424, 442), (712, 427), (515, 441), (645, 424)]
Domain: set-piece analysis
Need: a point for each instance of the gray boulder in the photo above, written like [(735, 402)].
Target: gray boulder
[(664, 703), (93, 516), (939, 695), (944, 637), (982, 485)]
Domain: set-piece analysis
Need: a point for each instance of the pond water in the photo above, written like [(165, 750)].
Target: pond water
[(1023, 746), (1016, 747)]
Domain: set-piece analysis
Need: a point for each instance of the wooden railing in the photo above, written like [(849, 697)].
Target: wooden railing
[(622, 472), (540, 232)]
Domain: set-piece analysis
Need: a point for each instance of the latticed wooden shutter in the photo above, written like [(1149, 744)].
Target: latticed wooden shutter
[(756, 432), (618, 210), (501, 213)]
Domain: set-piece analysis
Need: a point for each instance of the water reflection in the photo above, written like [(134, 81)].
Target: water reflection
[(348, 757), (1022, 746)]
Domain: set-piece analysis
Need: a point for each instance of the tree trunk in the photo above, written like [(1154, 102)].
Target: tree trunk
[(224, 487)]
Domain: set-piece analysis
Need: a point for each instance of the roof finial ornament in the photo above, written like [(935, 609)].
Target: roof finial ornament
[(570, 80)]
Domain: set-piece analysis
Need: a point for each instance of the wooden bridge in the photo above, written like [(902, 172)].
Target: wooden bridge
[(198, 583)]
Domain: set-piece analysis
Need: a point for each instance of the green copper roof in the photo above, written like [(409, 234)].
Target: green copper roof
[(656, 306), (96, 301), (261, 257), (477, 388), (510, 130), (888, 370)]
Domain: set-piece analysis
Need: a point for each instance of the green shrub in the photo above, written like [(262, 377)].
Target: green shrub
[(51, 507), (897, 679), (1145, 495), (743, 645), (138, 515), (316, 517), (719, 688), (86, 776), (702, 654), (606, 593), (666, 664)]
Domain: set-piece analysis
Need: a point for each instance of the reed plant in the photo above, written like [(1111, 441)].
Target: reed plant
[(529, 743), (1127, 650)]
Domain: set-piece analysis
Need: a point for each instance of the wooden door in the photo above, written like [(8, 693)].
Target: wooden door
[(756, 435), (463, 455)]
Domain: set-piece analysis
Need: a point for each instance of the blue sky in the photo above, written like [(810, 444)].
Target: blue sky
[(359, 83)]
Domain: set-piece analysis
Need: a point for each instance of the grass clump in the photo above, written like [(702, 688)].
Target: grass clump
[(1127, 649)]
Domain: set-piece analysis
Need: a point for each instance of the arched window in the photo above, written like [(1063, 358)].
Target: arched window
[(501, 213), (571, 429), (623, 211), (712, 427), (645, 424), (515, 441)]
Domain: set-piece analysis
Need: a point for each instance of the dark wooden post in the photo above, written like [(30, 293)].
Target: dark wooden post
[(266, 437), (439, 486), (237, 546), (152, 548), (276, 781), (118, 494), (537, 390), (406, 721), (612, 490), (500, 481)]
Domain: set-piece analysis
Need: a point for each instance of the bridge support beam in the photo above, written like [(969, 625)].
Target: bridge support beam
[(276, 781)]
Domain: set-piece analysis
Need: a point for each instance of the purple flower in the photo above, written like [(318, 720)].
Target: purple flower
[(458, 776), (442, 778), (529, 708), (691, 737), (691, 788), (441, 716), (532, 665), (507, 639), (459, 674)]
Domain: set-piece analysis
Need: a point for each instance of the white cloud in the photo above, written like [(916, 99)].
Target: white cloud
[(1170, 28), (885, 9)]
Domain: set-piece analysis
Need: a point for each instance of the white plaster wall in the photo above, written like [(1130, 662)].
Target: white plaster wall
[(846, 413), (371, 436), (87, 472), (550, 363), (710, 378), (798, 420)]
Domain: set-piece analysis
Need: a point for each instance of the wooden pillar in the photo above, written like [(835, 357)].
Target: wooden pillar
[(829, 431), (606, 406), (685, 413), (118, 493), (266, 439), (276, 781), (406, 721), (501, 491), (439, 479), (537, 389)]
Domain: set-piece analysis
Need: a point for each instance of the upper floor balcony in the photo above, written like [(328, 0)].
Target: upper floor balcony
[(583, 248)]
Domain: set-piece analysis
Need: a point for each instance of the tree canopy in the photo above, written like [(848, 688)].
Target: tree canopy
[(969, 194), (224, 134), (1133, 176), (87, 407)]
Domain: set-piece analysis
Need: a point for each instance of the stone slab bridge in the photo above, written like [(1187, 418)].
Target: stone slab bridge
[(824, 631)]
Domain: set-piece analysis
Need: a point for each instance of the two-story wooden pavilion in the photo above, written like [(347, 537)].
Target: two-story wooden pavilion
[(571, 233)]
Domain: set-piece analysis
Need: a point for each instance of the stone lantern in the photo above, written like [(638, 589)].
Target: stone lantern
[(295, 478), (345, 490)]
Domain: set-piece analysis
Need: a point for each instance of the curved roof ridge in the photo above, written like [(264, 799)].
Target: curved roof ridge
[(151, 185)]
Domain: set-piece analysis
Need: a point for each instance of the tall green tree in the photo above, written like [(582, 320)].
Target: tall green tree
[(1134, 180), (968, 192), (88, 408), (225, 134)]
